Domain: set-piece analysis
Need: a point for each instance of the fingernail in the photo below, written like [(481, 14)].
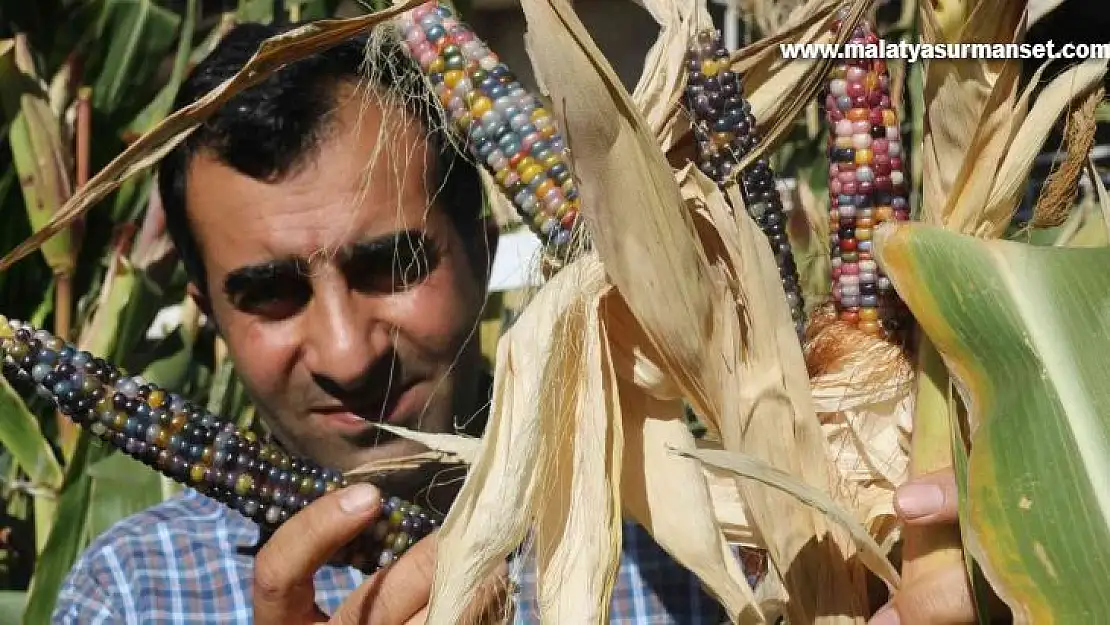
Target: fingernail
[(886, 616), (358, 498), (917, 500)]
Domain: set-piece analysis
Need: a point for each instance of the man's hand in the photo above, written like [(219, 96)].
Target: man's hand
[(397, 595), (943, 597)]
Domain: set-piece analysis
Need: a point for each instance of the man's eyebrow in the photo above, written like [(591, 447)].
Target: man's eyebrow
[(247, 276), (386, 243)]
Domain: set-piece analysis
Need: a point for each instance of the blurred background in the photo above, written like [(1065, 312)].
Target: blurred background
[(103, 72)]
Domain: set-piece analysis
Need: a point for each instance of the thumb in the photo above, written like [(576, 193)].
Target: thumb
[(941, 598), (283, 572)]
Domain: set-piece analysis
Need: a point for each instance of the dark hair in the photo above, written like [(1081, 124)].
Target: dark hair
[(271, 128)]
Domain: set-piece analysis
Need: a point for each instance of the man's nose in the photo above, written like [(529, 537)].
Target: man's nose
[(344, 339)]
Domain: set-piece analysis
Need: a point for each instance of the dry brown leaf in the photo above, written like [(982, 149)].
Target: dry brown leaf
[(460, 448), (496, 506), (755, 469), (670, 497), (578, 528), (378, 468), (968, 108), (780, 88), (1061, 187), (160, 140), (661, 83), (762, 379), (609, 139)]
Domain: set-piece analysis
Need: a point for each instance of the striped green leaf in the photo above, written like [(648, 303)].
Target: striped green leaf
[(21, 436), (1025, 332)]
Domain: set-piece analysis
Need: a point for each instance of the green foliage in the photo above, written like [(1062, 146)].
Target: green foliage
[(1024, 331), (132, 55)]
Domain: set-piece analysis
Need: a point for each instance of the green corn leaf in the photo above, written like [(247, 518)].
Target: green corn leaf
[(128, 303), (255, 11), (40, 159), (138, 33), (11, 606), (313, 9), (21, 436), (158, 108), (1025, 331), (69, 536), (212, 39), (121, 486)]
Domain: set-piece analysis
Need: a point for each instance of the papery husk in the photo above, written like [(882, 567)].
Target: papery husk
[(762, 379), (980, 134), (664, 74), (691, 308), (777, 89), (863, 391), (499, 502)]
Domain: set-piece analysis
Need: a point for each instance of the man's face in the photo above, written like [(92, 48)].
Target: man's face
[(344, 296)]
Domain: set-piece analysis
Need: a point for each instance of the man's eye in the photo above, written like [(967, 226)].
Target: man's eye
[(394, 269), (278, 300)]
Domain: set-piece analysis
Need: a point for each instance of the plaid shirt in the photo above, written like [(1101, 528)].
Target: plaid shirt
[(176, 564)]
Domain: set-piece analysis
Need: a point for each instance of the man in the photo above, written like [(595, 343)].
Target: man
[(339, 249)]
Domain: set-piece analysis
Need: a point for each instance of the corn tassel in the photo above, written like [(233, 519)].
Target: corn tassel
[(867, 186), (193, 446), (725, 130)]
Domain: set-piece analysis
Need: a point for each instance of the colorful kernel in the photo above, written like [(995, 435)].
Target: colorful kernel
[(480, 87), (725, 130), (185, 442), (866, 184)]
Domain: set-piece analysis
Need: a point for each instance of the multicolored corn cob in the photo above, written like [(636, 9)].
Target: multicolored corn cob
[(725, 130), (191, 445), (867, 186), (504, 126)]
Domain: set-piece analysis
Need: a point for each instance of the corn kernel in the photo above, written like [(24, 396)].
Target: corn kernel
[(858, 115), (525, 163), (452, 78), (480, 107), (531, 173), (544, 187)]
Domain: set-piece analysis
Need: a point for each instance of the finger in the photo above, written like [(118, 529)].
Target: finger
[(283, 589), (929, 499), (393, 595), (941, 598)]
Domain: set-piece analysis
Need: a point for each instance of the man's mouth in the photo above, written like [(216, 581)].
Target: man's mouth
[(359, 416)]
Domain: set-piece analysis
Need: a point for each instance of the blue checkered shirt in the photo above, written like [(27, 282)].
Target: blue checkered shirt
[(176, 564)]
